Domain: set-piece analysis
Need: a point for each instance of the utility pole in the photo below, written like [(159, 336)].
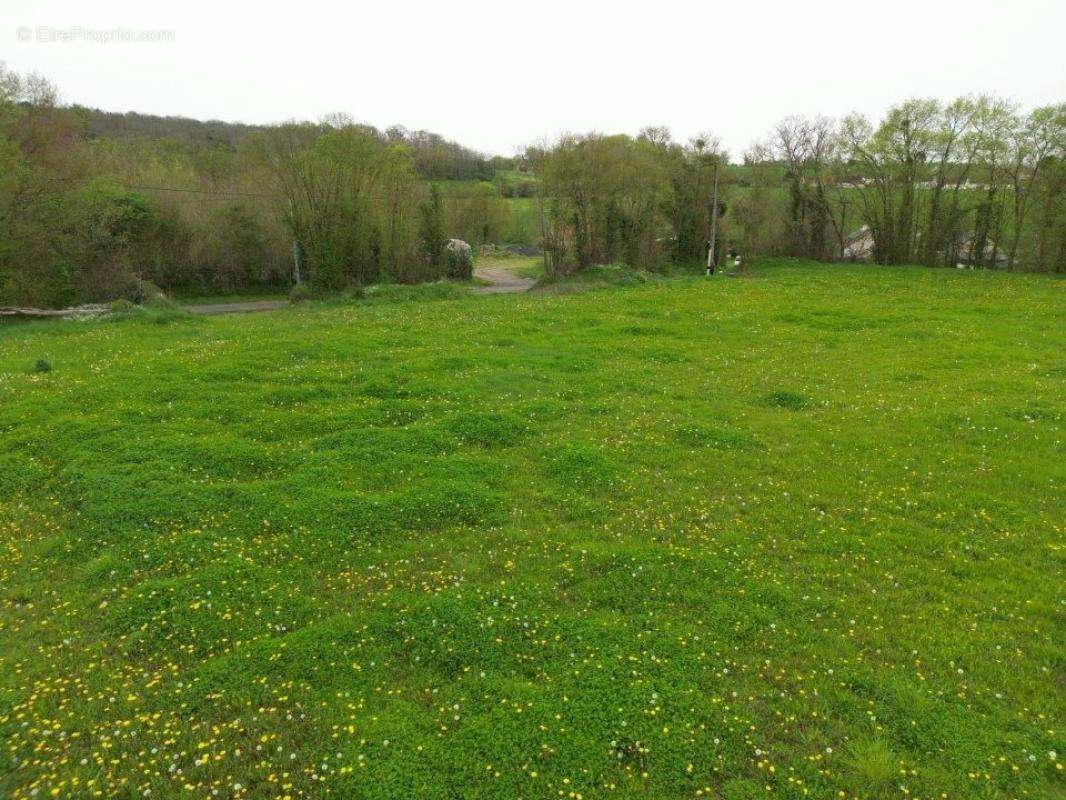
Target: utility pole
[(714, 221), (295, 246)]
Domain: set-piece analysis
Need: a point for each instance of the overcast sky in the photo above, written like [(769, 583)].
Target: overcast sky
[(499, 75)]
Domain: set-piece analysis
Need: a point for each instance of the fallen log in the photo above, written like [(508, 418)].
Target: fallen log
[(79, 312)]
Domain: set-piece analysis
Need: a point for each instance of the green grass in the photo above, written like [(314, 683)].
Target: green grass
[(690, 538), (528, 266), (385, 293), (235, 297), (596, 277), (401, 292)]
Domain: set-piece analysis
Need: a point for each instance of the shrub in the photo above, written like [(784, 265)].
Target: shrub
[(122, 308), (116, 234), (42, 365), (140, 291)]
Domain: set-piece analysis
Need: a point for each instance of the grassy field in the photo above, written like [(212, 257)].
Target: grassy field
[(523, 225), (190, 299), (795, 534)]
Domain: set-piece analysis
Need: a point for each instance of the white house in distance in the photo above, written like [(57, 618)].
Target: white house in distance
[(859, 246)]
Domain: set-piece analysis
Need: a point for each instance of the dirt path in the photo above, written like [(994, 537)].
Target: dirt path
[(238, 308), (503, 281)]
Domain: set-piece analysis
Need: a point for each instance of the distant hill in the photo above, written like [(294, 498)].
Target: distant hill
[(436, 158), (117, 125)]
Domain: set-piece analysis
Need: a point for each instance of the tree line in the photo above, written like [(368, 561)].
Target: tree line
[(971, 181), (641, 201), (93, 203)]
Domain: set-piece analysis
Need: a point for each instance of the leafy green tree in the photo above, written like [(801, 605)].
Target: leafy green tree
[(352, 200), (431, 231)]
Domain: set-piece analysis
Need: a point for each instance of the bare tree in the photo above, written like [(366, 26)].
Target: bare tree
[(807, 146), (994, 120), (1032, 147), (947, 164)]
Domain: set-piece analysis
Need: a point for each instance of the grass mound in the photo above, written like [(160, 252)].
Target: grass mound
[(158, 309)]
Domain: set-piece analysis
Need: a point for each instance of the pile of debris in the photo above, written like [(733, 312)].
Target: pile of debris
[(138, 293), (78, 312)]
